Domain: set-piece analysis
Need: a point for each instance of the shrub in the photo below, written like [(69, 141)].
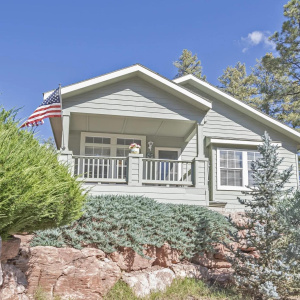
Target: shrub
[(110, 222), (36, 191)]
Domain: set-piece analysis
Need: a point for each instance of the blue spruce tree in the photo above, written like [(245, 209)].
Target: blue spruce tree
[(272, 273)]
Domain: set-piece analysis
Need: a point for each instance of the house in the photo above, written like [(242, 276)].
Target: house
[(196, 141)]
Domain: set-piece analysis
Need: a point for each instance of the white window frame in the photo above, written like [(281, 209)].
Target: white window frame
[(244, 172), (113, 141)]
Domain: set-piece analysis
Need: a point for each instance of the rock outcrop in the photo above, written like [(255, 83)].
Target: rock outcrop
[(14, 283), (10, 248), (128, 260), (71, 273), (145, 282)]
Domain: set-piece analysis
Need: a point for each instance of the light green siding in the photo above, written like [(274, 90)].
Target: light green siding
[(224, 122)]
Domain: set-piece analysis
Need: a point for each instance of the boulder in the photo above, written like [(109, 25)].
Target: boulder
[(166, 256), (71, 273), (14, 283), (128, 260), (208, 261), (10, 248), (147, 281), (189, 270)]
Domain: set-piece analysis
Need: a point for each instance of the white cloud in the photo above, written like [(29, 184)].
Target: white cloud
[(255, 38)]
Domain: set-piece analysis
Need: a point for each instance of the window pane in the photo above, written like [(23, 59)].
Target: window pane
[(97, 151), (89, 151), (223, 163), (223, 154), (238, 156), (238, 178), (223, 177), (106, 151), (98, 140), (89, 139), (230, 154), (231, 164), (127, 142), (106, 141)]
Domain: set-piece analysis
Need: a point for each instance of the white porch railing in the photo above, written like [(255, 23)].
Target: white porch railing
[(167, 172), (136, 170), (100, 169)]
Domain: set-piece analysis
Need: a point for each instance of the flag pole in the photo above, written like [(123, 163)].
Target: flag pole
[(62, 121)]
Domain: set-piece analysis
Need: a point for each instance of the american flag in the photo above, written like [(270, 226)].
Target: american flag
[(50, 108)]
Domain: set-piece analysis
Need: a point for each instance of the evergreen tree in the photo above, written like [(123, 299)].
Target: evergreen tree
[(189, 64), (267, 83), (272, 274), (236, 83), (36, 191), (287, 64)]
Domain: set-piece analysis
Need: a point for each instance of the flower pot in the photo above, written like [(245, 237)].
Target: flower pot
[(135, 150)]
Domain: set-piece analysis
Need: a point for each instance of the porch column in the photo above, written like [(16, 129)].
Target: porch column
[(135, 169), (200, 140), (65, 131)]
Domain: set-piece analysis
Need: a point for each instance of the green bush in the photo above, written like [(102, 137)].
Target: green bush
[(110, 222), (36, 191)]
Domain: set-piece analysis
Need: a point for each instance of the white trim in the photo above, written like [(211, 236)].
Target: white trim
[(237, 142), (167, 149), (129, 71), (113, 144), (238, 104), (244, 171)]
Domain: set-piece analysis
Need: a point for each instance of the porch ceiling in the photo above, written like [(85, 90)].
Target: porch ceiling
[(124, 125)]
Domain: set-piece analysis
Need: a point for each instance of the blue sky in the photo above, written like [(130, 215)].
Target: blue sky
[(44, 43)]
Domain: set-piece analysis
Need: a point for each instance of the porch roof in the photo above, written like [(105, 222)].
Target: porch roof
[(142, 72)]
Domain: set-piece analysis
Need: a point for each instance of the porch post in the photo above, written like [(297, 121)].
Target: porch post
[(135, 169), (200, 140), (65, 131)]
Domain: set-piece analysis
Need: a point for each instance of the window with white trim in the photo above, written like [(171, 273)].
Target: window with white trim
[(110, 145), (234, 168)]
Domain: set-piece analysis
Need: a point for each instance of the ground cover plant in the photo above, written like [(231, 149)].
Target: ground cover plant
[(36, 191), (110, 222)]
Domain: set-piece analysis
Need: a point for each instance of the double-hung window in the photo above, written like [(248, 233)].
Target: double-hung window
[(234, 168)]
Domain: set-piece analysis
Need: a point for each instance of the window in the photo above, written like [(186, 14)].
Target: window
[(110, 145), (234, 168)]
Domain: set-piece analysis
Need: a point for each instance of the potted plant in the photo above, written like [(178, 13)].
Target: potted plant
[(135, 148)]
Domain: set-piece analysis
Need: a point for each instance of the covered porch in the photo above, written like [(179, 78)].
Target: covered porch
[(171, 163)]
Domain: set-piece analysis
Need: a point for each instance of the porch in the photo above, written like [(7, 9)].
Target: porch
[(171, 166)]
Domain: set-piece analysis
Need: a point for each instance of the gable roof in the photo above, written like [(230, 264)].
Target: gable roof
[(238, 105), (142, 72)]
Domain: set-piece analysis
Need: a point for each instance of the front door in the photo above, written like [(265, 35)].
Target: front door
[(169, 169)]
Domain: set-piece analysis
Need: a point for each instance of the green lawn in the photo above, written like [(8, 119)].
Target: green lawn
[(184, 289)]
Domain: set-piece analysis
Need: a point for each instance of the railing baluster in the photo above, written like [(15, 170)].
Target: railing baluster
[(151, 166), (98, 167), (169, 169), (174, 167), (118, 161), (122, 170)]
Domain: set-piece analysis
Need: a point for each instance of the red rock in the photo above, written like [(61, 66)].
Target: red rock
[(10, 248), (210, 262), (222, 275), (128, 260), (166, 256), (71, 273)]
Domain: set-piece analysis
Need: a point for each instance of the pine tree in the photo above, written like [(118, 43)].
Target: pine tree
[(272, 274), (235, 82), (189, 64), (287, 64)]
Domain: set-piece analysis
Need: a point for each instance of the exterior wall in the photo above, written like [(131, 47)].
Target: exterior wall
[(175, 195), (224, 122), (134, 98)]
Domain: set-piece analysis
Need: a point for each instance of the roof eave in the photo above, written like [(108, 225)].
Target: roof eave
[(239, 105)]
